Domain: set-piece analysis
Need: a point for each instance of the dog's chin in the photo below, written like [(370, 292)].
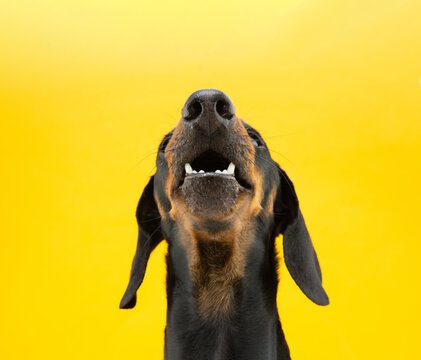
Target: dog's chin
[(211, 196)]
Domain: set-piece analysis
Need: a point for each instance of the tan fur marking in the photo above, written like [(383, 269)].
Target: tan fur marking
[(215, 274), (271, 201)]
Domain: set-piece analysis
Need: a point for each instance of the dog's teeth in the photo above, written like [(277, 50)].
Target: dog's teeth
[(188, 168), (218, 171), (225, 171), (194, 172), (231, 169), (201, 172)]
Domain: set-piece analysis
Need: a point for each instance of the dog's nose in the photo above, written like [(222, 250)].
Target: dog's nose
[(208, 109)]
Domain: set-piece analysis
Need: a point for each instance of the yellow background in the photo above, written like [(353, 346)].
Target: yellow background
[(87, 90)]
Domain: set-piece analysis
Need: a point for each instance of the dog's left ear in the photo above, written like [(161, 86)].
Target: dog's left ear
[(300, 256), (149, 236)]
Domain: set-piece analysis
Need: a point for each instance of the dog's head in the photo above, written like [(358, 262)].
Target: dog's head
[(215, 174)]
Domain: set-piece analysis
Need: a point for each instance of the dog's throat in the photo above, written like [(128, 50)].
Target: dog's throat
[(214, 255), (217, 271)]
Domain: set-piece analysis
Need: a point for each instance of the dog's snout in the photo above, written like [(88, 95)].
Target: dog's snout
[(208, 109)]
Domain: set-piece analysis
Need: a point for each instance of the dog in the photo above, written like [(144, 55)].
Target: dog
[(220, 201)]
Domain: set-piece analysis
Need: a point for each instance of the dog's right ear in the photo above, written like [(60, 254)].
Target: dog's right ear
[(299, 254), (149, 236)]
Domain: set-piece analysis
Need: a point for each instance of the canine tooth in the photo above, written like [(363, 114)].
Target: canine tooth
[(231, 169), (225, 171), (201, 172), (188, 168), (218, 171)]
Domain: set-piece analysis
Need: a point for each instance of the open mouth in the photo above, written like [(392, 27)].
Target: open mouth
[(211, 163)]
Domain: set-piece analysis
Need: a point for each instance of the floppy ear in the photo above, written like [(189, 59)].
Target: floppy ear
[(149, 236), (300, 256)]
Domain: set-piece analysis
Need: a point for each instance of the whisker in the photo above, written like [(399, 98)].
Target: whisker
[(153, 233), (279, 170), (152, 170), (149, 220), (277, 152), (274, 166), (288, 181), (142, 159)]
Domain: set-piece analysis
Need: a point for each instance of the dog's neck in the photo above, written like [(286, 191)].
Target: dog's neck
[(226, 283), (217, 268)]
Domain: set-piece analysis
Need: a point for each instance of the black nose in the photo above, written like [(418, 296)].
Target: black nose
[(208, 109)]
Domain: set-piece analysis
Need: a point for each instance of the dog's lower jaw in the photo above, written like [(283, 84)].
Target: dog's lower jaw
[(199, 329)]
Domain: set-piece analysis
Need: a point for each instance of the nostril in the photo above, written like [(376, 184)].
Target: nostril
[(194, 109), (224, 109)]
